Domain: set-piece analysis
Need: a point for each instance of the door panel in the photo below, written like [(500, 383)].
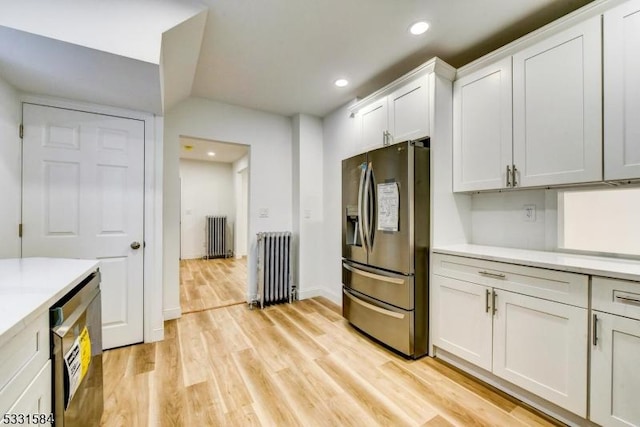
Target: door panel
[(394, 289), (83, 196), (462, 319), (557, 108), (541, 346), (615, 382), (352, 177), (621, 91), (373, 123), (393, 250)]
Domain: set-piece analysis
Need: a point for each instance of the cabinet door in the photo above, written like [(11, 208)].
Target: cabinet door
[(541, 346), (462, 319), (409, 111), (615, 379), (373, 121), (622, 91), (36, 398), (557, 105), (482, 132)]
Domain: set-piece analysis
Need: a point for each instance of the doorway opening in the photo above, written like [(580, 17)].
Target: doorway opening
[(214, 198)]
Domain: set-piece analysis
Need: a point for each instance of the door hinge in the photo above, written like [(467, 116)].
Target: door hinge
[(19, 230), (21, 131)]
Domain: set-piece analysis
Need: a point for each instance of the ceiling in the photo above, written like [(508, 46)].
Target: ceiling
[(280, 56), (224, 152), (283, 56)]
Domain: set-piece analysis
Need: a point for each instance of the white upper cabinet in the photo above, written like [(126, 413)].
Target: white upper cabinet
[(482, 131), (373, 120), (557, 108), (400, 116), (409, 111), (622, 91)]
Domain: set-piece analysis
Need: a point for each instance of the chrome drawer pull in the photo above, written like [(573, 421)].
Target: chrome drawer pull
[(628, 300), (374, 276), (490, 274), (595, 330), (366, 305), (486, 301)]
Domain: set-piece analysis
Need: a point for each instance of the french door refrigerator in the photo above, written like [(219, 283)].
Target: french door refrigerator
[(385, 245)]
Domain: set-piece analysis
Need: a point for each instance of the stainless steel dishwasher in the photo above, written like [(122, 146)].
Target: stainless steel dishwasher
[(76, 341)]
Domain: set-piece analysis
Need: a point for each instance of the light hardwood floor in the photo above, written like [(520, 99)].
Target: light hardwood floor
[(206, 284), (294, 364)]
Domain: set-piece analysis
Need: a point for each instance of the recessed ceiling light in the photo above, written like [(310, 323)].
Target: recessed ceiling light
[(341, 82), (419, 28)]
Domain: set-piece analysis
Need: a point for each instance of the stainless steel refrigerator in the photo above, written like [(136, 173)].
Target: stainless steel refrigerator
[(385, 245)]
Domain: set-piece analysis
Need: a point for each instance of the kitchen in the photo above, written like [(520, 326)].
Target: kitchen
[(457, 217)]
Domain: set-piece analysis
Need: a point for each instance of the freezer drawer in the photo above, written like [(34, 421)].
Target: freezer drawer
[(388, 324), (394, 289)]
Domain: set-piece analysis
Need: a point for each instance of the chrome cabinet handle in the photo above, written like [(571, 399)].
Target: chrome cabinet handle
[(508, 176), (514, 171), (595, 330), (628, 300), (486, 301), (490, 274), (493, 302)]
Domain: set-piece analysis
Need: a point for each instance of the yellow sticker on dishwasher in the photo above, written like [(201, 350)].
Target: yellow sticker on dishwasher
[(77, 361), (85, 351)]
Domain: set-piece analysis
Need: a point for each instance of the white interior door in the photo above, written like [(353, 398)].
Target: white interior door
[(83, 195)]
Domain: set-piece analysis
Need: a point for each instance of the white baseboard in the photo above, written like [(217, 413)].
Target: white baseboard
[(320, 292), (172, 313), (192, 256), (156, 335)]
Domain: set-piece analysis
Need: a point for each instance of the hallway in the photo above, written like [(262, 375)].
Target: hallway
[(212, 283)]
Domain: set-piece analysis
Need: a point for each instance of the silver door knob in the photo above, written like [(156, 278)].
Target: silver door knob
[(135, 245)]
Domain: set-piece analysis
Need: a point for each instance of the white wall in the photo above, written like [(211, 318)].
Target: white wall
[(308, 211), (269, 136), (240, 171), (10, 176), (498, 219), (207, 189), (339, 133)]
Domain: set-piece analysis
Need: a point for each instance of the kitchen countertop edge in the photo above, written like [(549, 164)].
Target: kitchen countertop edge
[(85, 267), (616, 268)]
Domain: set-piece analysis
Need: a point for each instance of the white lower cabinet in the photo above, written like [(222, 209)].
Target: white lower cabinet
[(541, 346), (35, 401), (535, 343), (462, 320), (615, 373)]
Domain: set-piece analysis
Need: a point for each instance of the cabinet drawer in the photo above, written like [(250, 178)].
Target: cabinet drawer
[(22, 358), (386, 323), (621, 297), (36, 398), (559, 286)]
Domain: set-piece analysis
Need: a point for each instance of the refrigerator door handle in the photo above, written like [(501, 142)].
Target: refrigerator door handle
[(365, 221), (369, 206), (360, 205), (396, 281)]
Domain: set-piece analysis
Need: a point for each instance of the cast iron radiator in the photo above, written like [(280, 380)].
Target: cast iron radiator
[(275, 283), (216, 237)]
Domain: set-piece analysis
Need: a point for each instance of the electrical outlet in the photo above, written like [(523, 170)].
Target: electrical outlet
[(529, 213), (307, 214), (263, 213)]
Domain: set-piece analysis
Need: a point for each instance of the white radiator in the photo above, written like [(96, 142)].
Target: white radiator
[(275, 283), (216, 243)]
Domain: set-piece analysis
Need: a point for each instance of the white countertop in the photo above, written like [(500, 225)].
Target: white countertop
[(586, 264), (29, 286)]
